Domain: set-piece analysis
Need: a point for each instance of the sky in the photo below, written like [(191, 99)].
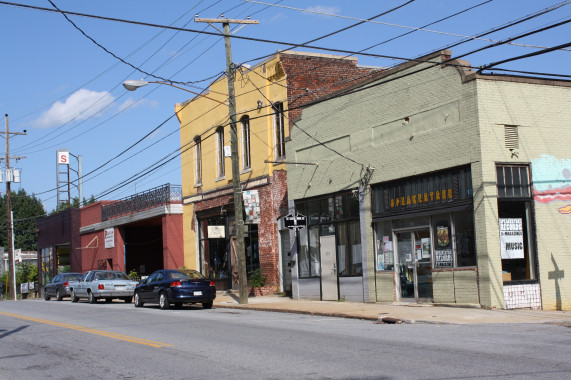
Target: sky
[(62, 83)]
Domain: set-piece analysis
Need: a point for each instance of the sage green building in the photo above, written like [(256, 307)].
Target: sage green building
[(430, 182)]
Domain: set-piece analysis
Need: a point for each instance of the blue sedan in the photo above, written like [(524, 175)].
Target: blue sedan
[(166, 287)]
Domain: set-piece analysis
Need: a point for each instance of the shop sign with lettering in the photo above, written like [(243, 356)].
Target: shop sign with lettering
[(445, 188), (511, 238)]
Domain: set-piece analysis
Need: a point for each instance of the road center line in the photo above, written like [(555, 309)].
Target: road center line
[(126, 338)]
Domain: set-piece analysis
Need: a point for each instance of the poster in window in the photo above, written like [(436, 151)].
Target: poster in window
[(380, 261), (444, 258), (511, 238), (425, 248), (442, 236), (251, 200)]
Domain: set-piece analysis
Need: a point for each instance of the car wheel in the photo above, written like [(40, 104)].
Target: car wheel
[(138, 302), (163, 301), (128, 299), (74, 297), (108, 300), (91, 298), (58, 295), (207, 305), (46, 296)]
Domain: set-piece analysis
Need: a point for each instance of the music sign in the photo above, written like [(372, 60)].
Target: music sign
[(511, 238)]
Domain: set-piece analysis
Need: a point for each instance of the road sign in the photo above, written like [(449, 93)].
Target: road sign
[(295, 222)]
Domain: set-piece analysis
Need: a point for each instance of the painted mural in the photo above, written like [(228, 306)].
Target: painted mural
[(552, 181)]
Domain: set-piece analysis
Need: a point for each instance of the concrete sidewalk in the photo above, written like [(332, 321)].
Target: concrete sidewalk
[(393, 313)]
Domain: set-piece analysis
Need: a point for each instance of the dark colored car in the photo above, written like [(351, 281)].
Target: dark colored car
[(167, 287), (58, 287)]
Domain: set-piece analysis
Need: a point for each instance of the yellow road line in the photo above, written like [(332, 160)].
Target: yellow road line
[(126, 338)]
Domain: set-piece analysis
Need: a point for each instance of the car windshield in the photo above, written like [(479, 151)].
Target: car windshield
[(186, 274), (71, 277), (111, 276)]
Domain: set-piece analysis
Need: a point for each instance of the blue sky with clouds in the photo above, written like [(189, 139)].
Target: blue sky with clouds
[(66, 91)]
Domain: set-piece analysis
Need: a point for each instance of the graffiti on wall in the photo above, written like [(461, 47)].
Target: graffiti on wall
[(552, 181)]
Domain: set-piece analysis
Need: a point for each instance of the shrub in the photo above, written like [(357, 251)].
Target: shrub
[(257, 278)]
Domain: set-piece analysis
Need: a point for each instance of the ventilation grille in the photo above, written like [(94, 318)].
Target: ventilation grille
[(511, 136)]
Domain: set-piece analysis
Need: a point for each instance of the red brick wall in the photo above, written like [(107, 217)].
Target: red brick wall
[(273, 199), (321, 75)]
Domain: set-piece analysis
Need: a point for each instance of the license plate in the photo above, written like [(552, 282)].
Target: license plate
[(119, 287), (198, 293)]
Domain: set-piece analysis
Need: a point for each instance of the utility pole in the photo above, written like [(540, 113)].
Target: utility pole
[(9, 221), (238, 206)]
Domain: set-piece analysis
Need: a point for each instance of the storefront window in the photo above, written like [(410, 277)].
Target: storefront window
[(442, 241), (47, 265), (349, 249), (252, 248), (464, 237), (331, 216), (384, 246), (515, 223)]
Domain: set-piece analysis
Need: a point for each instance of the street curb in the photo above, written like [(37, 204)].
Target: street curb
[(305, 312)]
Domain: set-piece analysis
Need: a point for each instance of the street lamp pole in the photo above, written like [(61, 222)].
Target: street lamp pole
[(132, 85)]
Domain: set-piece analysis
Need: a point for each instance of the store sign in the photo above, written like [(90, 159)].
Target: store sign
[(216, 232), (445, 188), (511, 238), (63, 157), (109, 234)]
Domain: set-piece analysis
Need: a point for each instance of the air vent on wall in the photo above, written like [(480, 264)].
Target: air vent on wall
[(511, 136)]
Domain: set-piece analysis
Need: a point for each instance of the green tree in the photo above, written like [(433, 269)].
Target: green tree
[(74, 204), (27, 209), (26, 272)]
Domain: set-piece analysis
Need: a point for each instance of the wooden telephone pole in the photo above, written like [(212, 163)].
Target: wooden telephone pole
[(9, 178), (238, 206)]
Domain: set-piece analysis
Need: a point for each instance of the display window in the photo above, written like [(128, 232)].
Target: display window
[(335, 215), (515, 221)]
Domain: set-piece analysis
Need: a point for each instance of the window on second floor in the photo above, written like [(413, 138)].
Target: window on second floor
[(197, 160), (279, 130), (220, 152), (246, 159)]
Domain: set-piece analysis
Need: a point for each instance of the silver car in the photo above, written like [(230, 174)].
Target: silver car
[(103, 284)]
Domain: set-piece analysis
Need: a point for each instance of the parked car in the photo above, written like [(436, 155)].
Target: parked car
[(103, 284), (58, 287), (167, 287)]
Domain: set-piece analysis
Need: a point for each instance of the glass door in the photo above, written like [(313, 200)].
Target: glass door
[(405, 265), (423, 266), (414, 253)]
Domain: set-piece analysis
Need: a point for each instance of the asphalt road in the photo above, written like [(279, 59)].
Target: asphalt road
[(61, 340)]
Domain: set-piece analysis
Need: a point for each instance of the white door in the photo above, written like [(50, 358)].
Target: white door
[(328, 269)]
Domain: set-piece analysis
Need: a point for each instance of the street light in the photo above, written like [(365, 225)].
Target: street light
[(132, 85)]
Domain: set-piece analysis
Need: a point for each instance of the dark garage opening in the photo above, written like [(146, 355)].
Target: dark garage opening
[(144, 249)]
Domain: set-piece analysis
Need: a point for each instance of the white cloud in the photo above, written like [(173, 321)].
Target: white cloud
[(324, 9), (81, 105)]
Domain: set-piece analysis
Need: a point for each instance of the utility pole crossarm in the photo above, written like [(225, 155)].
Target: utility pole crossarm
[(225, 21)]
